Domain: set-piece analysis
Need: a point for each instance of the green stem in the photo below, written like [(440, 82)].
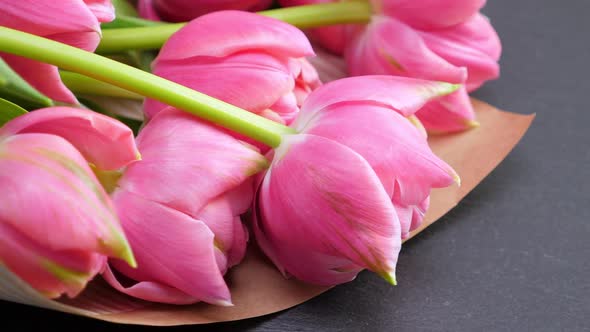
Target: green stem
[(143, 83), (153, 37), (86, 85)]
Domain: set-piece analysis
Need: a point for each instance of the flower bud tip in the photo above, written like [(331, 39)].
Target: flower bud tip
[(457, 179), (223, 303), (389, 277), (470, 124)]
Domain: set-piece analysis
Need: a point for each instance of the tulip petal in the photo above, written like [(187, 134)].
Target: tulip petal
[(448, 114), (182, 256), (215, 35), (429, 14), (328, 66), (224, 78), (102, 9), (48, 17), (183, 10), (395, 149), (222, 216), (302, 262), (52, 196), (103, 141), (145, 9), (306, 82), (41, 76), (148, 290), (387, 46), (51, 272), (323, 197), (177, 150), (473, 44), (87, 40), (404, 95)]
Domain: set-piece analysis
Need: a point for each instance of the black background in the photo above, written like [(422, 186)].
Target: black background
[(515, 254)]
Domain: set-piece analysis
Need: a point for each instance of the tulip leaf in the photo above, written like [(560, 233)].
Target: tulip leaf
[(9, 111), (17, 90)]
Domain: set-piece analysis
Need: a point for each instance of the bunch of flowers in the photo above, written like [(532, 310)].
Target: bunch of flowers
[(239, 140)]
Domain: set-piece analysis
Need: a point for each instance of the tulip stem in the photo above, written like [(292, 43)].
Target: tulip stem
[(86, 85), (310, 16), (141, 82)]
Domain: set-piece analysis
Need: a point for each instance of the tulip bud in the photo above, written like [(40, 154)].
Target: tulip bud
[(180, 207), (340, 195), (57, 223), (257, 65)]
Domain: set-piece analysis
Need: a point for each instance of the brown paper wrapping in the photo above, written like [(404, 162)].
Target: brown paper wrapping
[(257, 287)]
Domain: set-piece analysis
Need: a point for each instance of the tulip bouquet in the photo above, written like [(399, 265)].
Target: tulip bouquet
[(233, 141)]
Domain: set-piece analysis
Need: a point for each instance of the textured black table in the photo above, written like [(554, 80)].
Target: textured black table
[(515, 254)]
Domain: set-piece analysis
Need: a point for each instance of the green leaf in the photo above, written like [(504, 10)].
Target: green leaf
[(9, 111), (17, 90)]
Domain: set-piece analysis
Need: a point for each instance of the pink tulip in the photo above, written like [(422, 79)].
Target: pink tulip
[(180, 208), (74, 22), (340, 195), (57, 223), (257, 65), (427, 39), (186, 10)]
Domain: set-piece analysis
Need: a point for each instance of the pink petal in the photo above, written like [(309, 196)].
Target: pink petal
[(48, 17), (404, 95), (321, 203), (332, 38), (286, 107), (102, 9), (221, 215), (388, 46), (145, 9), (87, 41), (448, 114), (260, 5), (41, 76), (250, 80), (52, 197), (196, 161), (186, 10), (328, 66), (173, 252), (302, 262), (35, 264), (397, 152), (148, 290), (217, 35), (429, 14), (473, 44), (104, 141), (306, 82)]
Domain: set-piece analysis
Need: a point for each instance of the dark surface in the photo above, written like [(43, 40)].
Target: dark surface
[(515, 254)]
